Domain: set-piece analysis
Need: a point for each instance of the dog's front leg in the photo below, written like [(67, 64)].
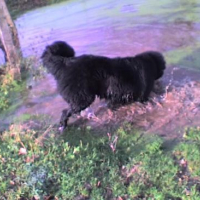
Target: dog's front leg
[(66, 113)]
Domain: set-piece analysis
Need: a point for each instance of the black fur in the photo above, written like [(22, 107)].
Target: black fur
[(118, 80)]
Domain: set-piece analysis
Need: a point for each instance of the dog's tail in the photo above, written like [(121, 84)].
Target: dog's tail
[(159, 62)]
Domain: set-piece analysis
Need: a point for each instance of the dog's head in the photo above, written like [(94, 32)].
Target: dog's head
[(59, 48), (54, 54), (159, 63)]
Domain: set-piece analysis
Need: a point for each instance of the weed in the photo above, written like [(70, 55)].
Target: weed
[(80, 164), (32, 69), (20, 6), (11, 89), (8, 86), (192, 134), (188, 152)]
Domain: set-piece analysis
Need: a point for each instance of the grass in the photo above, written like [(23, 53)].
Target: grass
[(11, 90), (18, 7), (171, 11), (185, 56), (82, 165)]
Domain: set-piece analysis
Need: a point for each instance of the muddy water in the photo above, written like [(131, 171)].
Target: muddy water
[(122, 28)]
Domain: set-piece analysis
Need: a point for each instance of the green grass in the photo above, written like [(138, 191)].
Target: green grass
[(11, 90), (81, 164), (171, 11), (18, 7), (184, 56), (191, 155)]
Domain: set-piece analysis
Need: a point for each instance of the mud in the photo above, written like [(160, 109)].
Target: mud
[(174, 105)]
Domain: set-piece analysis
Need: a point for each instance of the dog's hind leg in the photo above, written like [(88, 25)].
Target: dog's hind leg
[(66, 113), (145, 95), (75, 107)]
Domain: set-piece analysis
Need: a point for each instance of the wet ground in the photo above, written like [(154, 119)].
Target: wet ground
[(121, 28)]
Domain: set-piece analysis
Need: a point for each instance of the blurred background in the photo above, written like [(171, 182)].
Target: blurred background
[(111, 27)]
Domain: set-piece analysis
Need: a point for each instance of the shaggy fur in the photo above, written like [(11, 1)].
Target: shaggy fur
[(118, 80)]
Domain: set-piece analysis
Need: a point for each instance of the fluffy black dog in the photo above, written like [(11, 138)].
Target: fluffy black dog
[(118, 80)]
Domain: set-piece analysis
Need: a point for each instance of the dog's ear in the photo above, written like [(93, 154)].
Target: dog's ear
[(58, 48), (61, 48)]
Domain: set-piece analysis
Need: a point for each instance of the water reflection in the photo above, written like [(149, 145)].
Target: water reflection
[(110, 27)]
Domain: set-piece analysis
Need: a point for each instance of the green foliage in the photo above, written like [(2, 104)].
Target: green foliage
[(18, 7), (184, 56), (190, 151), (8, 87), (192, 134), (81, 164), (32, 69)]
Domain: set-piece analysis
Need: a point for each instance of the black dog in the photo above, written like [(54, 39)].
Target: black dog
[(118, 80)]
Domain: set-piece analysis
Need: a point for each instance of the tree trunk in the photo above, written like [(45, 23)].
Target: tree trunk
[(9, 40)]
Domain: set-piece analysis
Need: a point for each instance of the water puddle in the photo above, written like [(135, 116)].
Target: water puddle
[(122, 28)]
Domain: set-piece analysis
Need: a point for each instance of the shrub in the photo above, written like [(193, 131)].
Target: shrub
[(8, 86), (81, 165)]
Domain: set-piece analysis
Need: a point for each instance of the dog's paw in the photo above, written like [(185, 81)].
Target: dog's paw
[(62, 125), (61, 129), (64, 120), (113, 106)]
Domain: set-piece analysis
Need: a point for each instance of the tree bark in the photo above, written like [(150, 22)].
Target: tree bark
[(9, 40)]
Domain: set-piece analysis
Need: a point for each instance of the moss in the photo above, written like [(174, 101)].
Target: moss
[(18, 7), (171, 11), (185, 57)]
